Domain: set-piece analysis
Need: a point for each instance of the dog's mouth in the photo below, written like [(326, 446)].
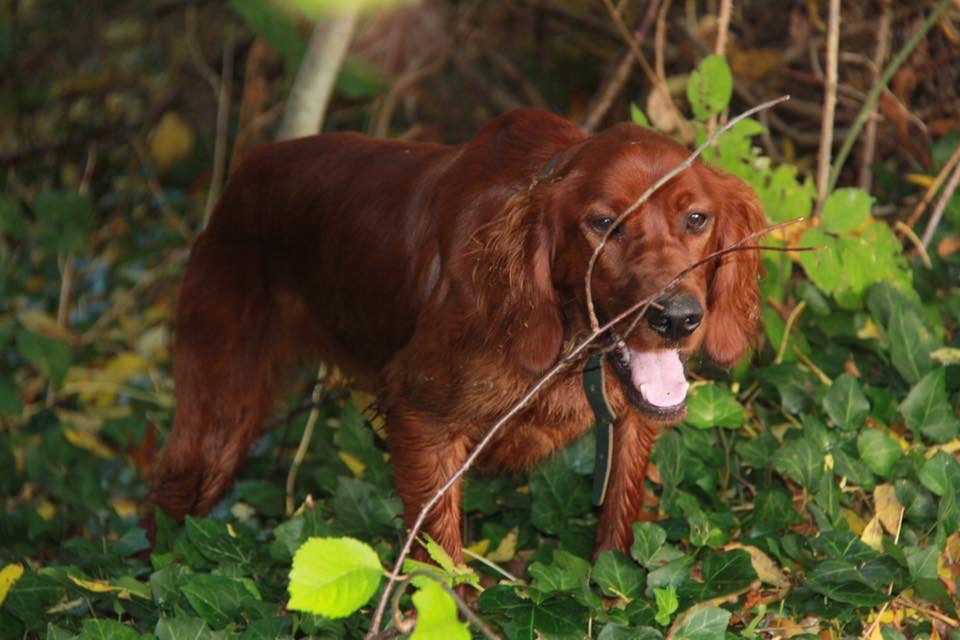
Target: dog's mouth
[(654, 381)]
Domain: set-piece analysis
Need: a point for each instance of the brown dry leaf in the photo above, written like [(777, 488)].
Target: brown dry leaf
[(887, 507), (767, 570), (662, 116), (754, 64), (171, 140), (507, 549), (948, 246)]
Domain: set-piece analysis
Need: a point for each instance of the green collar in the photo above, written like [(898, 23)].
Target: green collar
[(595, 390)]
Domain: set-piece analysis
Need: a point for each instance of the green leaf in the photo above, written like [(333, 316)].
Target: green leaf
[(50, 356), (822, 265), (358, 79), (801, 461), (613, 631), (845, 403), (878, 451), (711, 405), (845, 210), (218, 599), (927, 410), (559, 494), (710, 87), (267, 629), (922, 562), (637, 116), (566, 572), (617, 575), (64, 220), (648, 538), (841, 581), (559, 615), (361, 508), (12, 221), (333, 577), (940, 473), (437, 615), (727, 572), (10, 404), (181, 626), (670, 456), (275, 26), (106, 629), (214, 542), (910, 344), (667, 604), (704, 624)]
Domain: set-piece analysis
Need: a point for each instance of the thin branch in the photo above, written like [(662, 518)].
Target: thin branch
[(304, 446), (667, 177), (870, 134), (220, 139), (720, 46), (564, 362), (686, 131), (877, 89), (933, 188), (829, 104), (941, 205)]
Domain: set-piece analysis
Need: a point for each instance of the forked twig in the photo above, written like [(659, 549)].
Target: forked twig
[(667, 177), (562, 363)]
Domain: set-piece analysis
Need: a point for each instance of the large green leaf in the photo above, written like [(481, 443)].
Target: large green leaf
[(845, 403), (704, 624), (710, 87), (333, 577), (437, 615), (617, 575), (910, 344), (927, 409), (878, 451), (801, 461), (711, 405), (559, 494), (822, 265), (845, 210)]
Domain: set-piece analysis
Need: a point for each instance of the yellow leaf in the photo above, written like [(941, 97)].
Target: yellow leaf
[(854, 521), (872, 534), (479, 548), (46, 510), (88, 442), (44, 325), (125, 508), (920, 179), (946, 355), (124, 366), (887, 507), (8, 577), (353, 463), (507, 548), (170, 141), (96, 586), (869, 330)]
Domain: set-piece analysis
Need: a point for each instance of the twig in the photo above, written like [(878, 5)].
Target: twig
[(829, 104), (562, 363), (615, 82), (933, 188), (493, 566), (788, 327), (870, 134), (941, 205), (667, 177), (304, 446), (205, 70), (220, 140), (313, 85), (910, 235), (686, 131), (878, 88)]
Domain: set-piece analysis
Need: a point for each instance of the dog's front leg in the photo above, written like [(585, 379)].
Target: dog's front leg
[(633, 440), (424, 456)]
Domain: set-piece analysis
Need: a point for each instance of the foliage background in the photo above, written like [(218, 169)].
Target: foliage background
[(812, 490)]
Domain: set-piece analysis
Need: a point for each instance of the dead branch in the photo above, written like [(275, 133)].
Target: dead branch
[(829, 104), (870, 134)]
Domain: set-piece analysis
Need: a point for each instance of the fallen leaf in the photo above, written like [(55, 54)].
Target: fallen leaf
[(887, 507)]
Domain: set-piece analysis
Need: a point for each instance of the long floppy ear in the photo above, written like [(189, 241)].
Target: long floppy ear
[(516, 296), (733, 299)]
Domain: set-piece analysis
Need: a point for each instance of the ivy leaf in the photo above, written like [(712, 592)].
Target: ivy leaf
[(437, 615), (710, 87), (333, 577), (845, 210), (910, 344), (667, 604), (617, 575), (566, 572), (940, 473), (927, 410), (801, 461), (559, 494), (215, 543), (556, 615), (841, 581), (822, 266), (845, 403), (878, 451), (712, 405), (48, 355), (106, 629), (217, 599), (704, 624), (648, 539)]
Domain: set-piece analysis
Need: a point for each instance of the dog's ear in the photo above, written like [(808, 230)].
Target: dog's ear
[(515, 290), (733, 298)]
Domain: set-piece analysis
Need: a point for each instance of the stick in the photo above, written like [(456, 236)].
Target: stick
[(829, 104), (941, 205)]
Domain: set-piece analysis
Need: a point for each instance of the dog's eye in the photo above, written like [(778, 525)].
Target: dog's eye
[(696, 222), (600, 225)]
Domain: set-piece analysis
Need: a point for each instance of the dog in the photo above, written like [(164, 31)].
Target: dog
[(448, 279)]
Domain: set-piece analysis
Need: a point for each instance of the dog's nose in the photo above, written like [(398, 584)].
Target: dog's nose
[(678, 316)]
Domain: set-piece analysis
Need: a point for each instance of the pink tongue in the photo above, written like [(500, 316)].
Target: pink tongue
[(658, 375)]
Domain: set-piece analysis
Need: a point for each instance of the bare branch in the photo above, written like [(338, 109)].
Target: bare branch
[(829, 104)]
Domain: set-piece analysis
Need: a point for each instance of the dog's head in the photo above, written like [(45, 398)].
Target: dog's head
[(575, 202)]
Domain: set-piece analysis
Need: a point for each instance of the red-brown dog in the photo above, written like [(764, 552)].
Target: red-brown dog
[(449, 279)]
